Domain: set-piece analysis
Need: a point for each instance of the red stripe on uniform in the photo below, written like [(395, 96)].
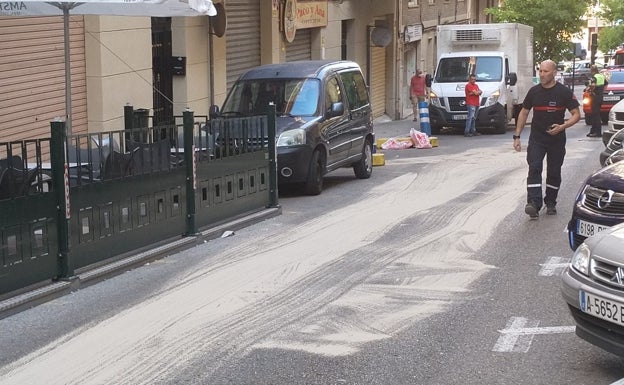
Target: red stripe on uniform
[(548, 108)]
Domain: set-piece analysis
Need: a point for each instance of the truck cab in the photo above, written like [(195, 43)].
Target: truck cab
[(499, 55), (448, 99)]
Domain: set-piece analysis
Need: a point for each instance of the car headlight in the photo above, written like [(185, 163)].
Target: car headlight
[(580, 259), (492, 99), (612, 114), (292, 137), (433, 99)]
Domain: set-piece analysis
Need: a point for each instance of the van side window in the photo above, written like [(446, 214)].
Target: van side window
[(355, 88), (332, 94)]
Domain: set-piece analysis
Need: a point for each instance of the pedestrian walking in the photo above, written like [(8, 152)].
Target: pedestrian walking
[(473, 100), (418, 91), (549, 101), (596, 89)]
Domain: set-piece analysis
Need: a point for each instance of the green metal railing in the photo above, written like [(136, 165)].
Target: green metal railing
[(96, 197)]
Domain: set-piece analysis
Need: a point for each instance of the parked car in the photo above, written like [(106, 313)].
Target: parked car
[(614, 144), (579, 73), (598, 205), (616, 121), (612, 94), (323, 117), (593, 287), (615, 157)]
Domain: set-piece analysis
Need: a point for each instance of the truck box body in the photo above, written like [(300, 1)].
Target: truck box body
[(496, 54)]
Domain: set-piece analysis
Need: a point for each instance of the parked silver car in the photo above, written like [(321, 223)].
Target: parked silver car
[(616, 141), (593, 287)]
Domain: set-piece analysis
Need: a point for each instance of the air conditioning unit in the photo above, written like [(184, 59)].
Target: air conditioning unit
[(476, 36)]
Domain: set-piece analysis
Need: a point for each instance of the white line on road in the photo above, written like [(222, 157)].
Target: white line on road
[(519, 332), (553, 266), (619, 382)]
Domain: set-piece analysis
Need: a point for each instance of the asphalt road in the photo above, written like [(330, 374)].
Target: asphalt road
[(427, 273)]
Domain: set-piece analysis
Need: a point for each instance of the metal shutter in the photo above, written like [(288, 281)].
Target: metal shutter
[(301, 47), (378, 81), (242, 37), (32, 75)]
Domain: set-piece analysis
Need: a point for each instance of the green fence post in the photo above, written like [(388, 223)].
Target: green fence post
[(58, 140), (273, 193), (191, 175)]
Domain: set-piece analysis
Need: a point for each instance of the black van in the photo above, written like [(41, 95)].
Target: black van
[(323, 117)]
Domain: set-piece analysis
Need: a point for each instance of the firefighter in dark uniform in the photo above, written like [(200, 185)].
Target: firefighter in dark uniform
[(549, 101)]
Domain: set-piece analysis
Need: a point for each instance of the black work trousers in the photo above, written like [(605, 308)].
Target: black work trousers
[(596, 121), (553, 149)]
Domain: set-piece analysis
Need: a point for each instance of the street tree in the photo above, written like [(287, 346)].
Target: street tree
[(554, 23), (611, 36)]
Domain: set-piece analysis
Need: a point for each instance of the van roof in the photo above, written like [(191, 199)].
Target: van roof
[(296, 69)]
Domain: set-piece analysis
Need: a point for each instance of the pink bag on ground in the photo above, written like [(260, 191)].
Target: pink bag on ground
[(420, 139), (395, 144)]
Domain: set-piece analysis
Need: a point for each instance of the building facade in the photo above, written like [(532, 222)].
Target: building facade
[(166, 65)]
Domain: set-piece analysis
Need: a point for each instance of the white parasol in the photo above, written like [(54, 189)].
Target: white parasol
[(155, 8)]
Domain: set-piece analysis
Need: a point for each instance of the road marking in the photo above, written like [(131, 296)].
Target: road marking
[(619, 382), (553, 266), (519, 332)]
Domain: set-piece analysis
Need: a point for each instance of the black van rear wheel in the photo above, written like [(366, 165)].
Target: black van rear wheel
[(364, 167), (314, 182)]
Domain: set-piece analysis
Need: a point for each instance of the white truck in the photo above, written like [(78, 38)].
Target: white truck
[(500, 55)]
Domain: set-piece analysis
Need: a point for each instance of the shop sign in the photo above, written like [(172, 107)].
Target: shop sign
[(311, 14), (412, 33), (290, 20)]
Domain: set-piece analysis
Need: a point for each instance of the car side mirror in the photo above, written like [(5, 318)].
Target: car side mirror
[(337, 109), (511, 79), (428, 80), (213, 111), (616, 156)]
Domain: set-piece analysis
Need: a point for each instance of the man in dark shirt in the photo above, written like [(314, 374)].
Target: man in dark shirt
[(549, 101)]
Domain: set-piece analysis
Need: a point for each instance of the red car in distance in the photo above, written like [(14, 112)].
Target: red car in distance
[(613, 93)]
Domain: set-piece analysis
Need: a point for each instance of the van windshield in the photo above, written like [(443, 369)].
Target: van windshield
[(296, 97), (457, 69)]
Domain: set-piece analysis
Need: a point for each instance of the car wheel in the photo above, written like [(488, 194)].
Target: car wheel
[(364, 167), (604, 118), (587, 120), (314, 182), (501, 128)]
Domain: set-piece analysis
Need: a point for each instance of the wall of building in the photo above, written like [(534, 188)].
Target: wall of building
[(118, 54)]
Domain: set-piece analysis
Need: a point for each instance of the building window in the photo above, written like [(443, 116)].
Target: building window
[(412, 4), (431, 2)]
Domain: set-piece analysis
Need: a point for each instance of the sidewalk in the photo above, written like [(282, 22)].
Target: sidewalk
[(384, 127)]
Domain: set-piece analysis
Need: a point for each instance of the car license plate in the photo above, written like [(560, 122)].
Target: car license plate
[(587, 229), (602, 308), (613, 98), (460, 117)]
